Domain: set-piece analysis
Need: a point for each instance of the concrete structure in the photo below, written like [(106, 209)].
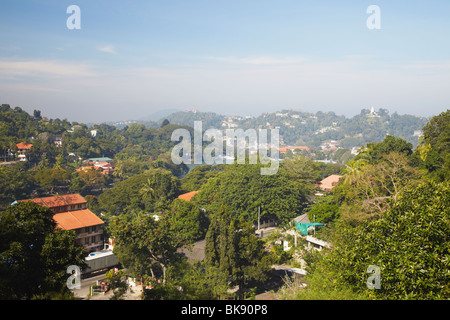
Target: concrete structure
[(316, 243)]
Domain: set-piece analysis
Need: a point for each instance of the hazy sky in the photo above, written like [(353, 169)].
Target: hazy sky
[(133, 58)]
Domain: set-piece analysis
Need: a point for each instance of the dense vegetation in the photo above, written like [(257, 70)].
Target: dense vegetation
[(390, 209), (305, 128)]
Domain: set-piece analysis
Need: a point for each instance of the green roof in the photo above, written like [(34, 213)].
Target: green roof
[(100, 159), (303, 227)]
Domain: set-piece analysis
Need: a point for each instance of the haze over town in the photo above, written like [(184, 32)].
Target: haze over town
[(130, 60)]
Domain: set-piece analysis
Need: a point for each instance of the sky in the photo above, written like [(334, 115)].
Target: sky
[(130, 59)]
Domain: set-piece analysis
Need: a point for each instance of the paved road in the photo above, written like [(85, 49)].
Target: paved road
[(85, 284)]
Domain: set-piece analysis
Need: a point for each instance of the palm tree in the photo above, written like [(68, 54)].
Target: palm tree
[(147, 191), (353, 170)]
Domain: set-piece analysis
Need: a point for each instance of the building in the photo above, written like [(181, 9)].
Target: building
[(103, 159), (188, 196), (304, 225), (285, 149), (71, 213), (22, 149), (330, 182), (104, 167)]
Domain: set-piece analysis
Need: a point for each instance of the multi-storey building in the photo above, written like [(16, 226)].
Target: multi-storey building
[(71, 213)]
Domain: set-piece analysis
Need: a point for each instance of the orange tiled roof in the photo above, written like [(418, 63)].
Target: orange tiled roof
[(284, 149), (329, 182), (76, 219), (188, 196), (22, 145), (59, 201)]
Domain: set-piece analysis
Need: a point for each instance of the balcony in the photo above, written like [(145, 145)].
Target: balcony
[(90, 234)]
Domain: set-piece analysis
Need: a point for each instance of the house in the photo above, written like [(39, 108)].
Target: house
[(188, 196), (22, 149), (94, 160), (304, 225), (330, 182), (58, 140), (285, 149), (104, 167), (71, 213)]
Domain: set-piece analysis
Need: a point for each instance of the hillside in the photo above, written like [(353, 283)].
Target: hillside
[(313, 130)]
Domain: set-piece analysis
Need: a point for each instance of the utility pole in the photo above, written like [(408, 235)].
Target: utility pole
[(314, 225), (259, 215)]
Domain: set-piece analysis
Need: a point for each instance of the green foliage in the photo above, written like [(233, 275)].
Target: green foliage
[(17, 184), (434, 149), (187, 221), (135, 193), (190, 281), (199, 175), (33, 255), (410, 244), (243, 190), (325, 210), (117, 283), (233, 250)]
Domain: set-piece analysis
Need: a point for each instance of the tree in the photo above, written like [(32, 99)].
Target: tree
[(325, 210), (141, 241), (187, 221), (165, 123), (243, 190), (410, 244), (385, 180), (234, 251), (33, 255), (434, 148), (117, 283), (133, 194)]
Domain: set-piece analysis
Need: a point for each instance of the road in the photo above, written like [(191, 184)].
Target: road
[(85, 284)]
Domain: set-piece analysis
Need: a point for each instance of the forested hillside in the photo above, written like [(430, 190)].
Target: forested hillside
[(390, 209), (313, 129)]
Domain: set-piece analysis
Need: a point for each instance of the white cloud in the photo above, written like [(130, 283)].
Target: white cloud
[(225, 85), (43, 69), (107, 49), (263, 60)]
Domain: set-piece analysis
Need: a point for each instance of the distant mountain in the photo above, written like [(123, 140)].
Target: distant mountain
[(313, 130), (159, 115)]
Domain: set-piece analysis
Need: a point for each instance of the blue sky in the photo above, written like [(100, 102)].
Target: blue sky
[(133, 58)]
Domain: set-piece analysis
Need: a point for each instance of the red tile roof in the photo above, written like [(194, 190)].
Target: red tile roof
[(22, 145), (188, 196), (76, 219), (329, 182), (284, 149), (59, 201)]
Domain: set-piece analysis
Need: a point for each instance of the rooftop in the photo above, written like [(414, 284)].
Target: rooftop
[(22, 146), (59, 201), (76, 219), (329, 182), (188, 196)]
